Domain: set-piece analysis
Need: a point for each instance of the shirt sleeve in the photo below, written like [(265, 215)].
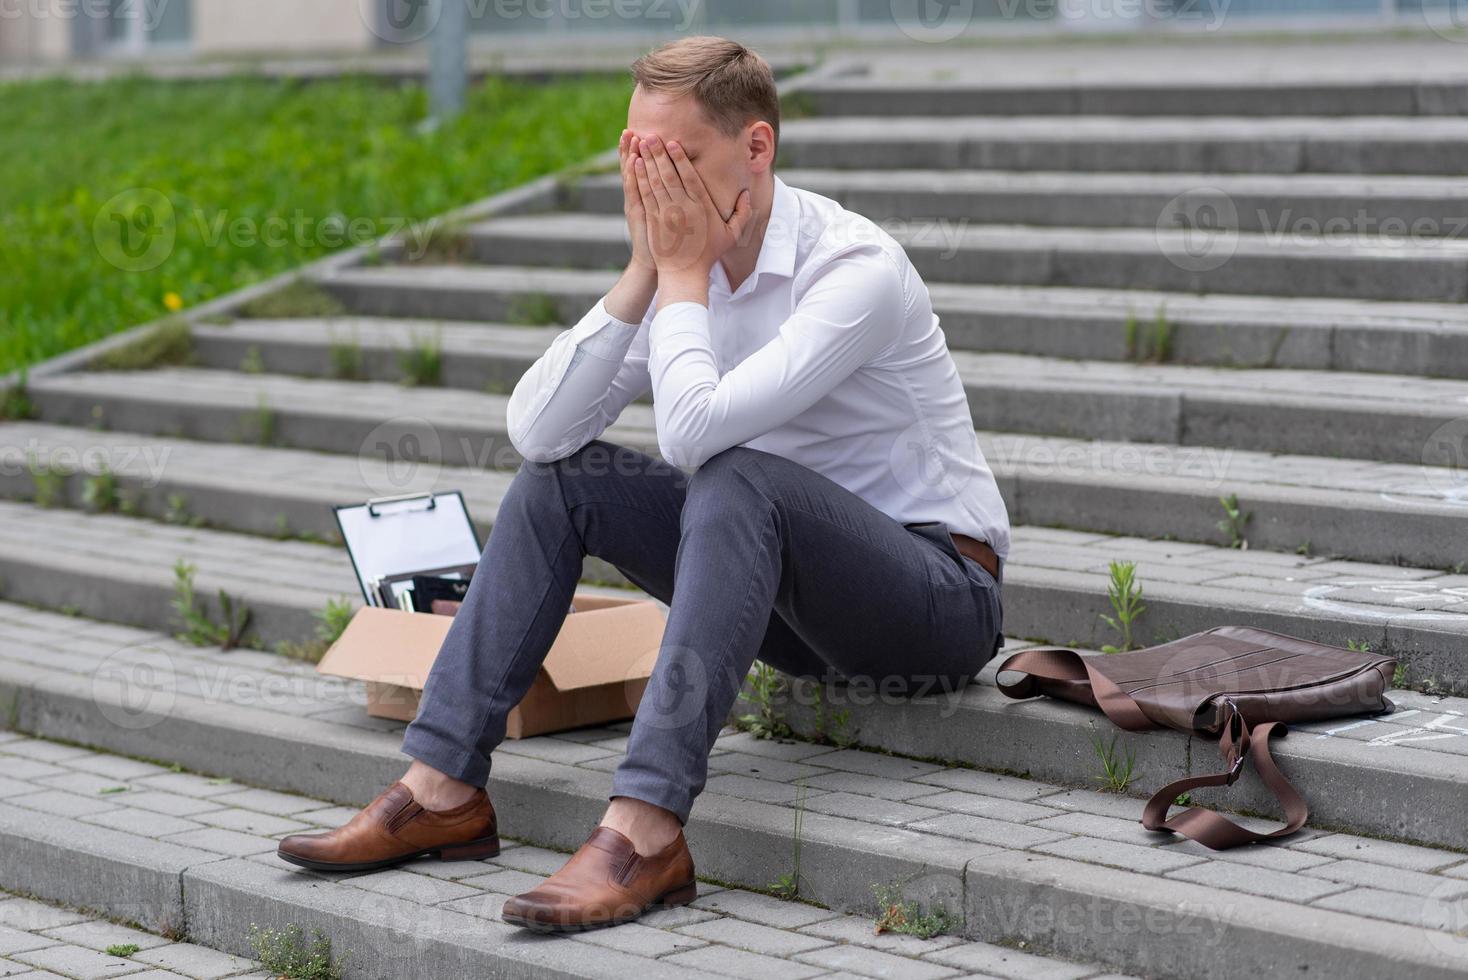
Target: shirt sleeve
[(578, 386), (851, 310)]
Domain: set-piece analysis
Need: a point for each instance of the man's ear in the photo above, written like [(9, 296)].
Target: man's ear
[(760, 140)]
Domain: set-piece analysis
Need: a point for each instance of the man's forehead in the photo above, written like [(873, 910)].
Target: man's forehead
[(671, 118)]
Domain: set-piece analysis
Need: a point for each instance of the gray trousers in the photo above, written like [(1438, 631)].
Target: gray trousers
[(757, 557)]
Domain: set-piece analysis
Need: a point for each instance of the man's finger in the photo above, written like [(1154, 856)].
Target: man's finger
[(692, 182), (665, 169), (649, 169), (644, 186), (739, 220)]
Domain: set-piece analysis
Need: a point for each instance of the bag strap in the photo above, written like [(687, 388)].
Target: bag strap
[(1210, 828), (1236, 743), (1067, 665)]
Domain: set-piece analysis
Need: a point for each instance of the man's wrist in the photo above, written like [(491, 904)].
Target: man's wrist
[(683, 286)]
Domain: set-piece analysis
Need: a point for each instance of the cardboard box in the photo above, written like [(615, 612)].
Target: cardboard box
[(595, 673)]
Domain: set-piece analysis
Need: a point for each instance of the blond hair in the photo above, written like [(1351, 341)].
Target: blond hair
[(733, 84)]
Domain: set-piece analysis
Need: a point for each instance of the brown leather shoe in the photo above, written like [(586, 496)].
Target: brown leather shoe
[(393, 829), (606, 883)]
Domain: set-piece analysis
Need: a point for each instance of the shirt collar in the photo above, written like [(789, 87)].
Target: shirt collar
[(777, 251)]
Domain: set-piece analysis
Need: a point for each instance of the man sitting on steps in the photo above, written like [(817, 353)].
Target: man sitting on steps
[(841, 523)]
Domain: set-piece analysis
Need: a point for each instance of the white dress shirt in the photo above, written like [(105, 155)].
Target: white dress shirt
[(829, 354)]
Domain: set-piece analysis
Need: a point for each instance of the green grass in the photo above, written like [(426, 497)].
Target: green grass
[(344, 156)]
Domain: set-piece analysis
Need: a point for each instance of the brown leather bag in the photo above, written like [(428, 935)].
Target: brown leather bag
[(1238, 683)]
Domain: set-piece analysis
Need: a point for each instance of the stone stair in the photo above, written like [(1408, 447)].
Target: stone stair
[(1119, 392), (1022, 861)]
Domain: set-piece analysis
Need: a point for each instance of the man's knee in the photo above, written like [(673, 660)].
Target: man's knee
[(735, 482)]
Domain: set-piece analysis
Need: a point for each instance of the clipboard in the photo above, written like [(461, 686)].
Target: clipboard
[(390, 537)]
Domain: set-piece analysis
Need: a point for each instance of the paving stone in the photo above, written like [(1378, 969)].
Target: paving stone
[(223, 841), (762, 909), (265, 801), (60, 804), (171, 804), (1272, 856), (878, 786), (415, 888), (875, 764), (1395, 879), (740, 963), (115, 767), (536, 860), (1001, 961), (874, 963), (754, 937), (1389, 853), (996, 808), (785, 749), (986, 831), (987, 784), (75, 961), (29, 769), (1115, 854), (99, 934), (1258, 881), (39, 751), (200, 962), (331, 816), (1416, 910), (1107, 828), (641, 940), (764, 790), (31, 916), (84, 784), (144, 823), (250, 822), (758, 766), (506, 882), (869, 809), (863, 932), (15, 941), (14, 787), (188, 784), (485, 905), (554, 750)]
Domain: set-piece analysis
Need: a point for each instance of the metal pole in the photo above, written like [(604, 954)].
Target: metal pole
[(448, 65)]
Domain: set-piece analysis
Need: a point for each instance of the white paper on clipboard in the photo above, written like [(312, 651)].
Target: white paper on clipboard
[(406, 534)]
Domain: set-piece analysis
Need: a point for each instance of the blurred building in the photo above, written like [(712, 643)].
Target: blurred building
[(41, 31)]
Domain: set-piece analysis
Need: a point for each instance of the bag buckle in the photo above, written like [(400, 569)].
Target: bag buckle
[(1236, 744)]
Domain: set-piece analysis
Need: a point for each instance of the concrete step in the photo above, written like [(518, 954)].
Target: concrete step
[(43, 938), (1094, 324), (205, 875), (1289, 206), (990, 848), (121, 569), (1168, 144), (1360, 416), (908, 96), (1097, 258), (1376, 512), (473, 356)]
